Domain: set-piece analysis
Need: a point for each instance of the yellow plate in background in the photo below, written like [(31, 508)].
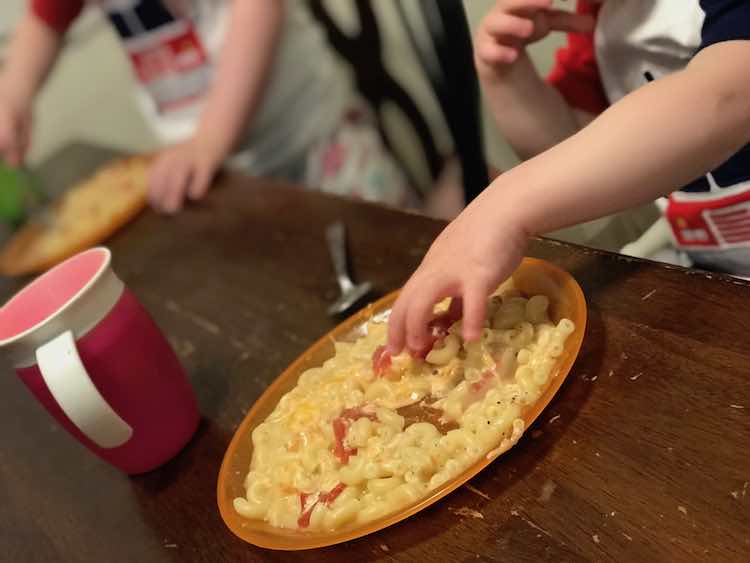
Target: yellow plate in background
[(532, 277)]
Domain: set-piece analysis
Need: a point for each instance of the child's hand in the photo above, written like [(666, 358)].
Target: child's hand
[(511, 25), (15, 130), (182, 171), (469, 259)]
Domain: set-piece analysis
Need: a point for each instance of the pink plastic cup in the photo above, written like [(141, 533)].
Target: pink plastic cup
[(92, 355)]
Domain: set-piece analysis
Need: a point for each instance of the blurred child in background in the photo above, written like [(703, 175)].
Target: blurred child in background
[(248, 83)]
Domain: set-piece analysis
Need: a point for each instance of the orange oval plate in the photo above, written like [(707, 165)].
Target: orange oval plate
[(532, 277)]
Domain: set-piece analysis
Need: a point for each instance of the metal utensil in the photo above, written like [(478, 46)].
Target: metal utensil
[(350, 293)]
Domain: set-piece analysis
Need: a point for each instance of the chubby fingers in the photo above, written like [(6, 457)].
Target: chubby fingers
[(420, 312), (506, 29), (490, 52), (200, 180), (397, 326), (504, 26), (413, 310), (168, 183), (474, 308), (176, 189)]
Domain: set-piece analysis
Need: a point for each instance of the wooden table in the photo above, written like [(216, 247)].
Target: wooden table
[(643, 455)]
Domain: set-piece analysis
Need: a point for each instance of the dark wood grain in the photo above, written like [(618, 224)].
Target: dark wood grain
[(643, 455)]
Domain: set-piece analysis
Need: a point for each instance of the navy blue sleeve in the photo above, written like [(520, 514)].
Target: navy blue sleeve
[(726, 20)]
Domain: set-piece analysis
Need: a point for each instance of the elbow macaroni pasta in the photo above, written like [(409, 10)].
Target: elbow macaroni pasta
[(336, 451)]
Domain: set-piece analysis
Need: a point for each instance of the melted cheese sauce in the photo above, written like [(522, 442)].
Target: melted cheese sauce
[(337, 450)]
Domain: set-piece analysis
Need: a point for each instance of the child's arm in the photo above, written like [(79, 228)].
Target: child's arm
[(243, 67), (658, 138), (532, 115), (33, 50)]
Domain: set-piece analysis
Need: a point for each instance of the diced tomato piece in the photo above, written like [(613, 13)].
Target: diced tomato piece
[(333, 494), (339, 433), (304, 520), (483, 382), (326, 498), (356, 413), (340, 450), (305, 512), (480, 388), (438, 329), (339, 429), (303, 500), (347, 453), (350, 452), (381, 361), (483, 385), (422, 354)]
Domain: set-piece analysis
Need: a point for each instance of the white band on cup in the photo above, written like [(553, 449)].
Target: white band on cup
[(75, 393)]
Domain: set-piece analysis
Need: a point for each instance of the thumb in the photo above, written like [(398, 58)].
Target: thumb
[(562, 20)]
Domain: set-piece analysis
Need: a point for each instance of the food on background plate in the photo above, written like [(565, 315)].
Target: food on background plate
[(367, 434), (86, 215)]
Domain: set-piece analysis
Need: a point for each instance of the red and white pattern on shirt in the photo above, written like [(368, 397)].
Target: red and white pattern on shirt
[(171, 63), (732, 224), (706, 223)]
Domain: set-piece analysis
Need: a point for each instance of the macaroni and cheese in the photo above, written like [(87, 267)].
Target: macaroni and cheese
[(345, 446)]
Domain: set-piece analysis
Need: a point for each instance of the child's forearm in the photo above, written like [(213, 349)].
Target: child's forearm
[(33, 49), (531, 114), (653, 141), (244, 64)]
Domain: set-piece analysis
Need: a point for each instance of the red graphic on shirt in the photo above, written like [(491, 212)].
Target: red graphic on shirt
[(733, 223), (710, 223), (171, 63), (177, 54)]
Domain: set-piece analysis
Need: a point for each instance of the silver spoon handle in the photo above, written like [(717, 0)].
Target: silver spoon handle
[(336, 235)]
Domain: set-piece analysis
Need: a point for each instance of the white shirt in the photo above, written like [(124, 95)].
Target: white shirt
[(304, 98), (634, 37)]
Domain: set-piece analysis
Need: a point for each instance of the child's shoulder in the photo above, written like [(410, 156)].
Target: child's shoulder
[(58, 14)]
